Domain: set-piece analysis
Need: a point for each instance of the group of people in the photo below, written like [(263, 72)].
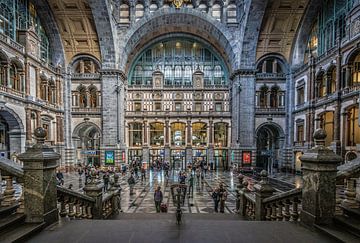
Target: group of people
[(219, 196)]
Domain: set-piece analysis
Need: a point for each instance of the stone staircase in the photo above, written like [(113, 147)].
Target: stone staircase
[(345, 228), (13, 227)]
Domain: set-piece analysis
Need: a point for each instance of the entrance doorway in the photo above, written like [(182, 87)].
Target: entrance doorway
[(178, 159), (157, 156), (221, 159), (269, 143), (135, 155), (199, 156)]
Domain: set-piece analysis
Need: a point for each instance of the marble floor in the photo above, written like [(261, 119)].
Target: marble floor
[(142, 200)]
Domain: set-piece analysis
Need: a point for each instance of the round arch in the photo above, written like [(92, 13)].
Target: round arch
[(270, 144), (283, 63), (184, 21)]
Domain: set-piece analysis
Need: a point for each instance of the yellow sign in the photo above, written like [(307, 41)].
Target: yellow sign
[(179, 3)]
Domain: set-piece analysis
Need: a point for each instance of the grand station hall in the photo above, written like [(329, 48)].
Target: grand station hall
[(179, 121)]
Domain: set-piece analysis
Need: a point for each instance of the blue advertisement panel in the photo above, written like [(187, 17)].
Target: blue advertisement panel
[(109, 157)]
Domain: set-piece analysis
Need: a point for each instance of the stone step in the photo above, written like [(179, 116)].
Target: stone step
[(21, 233), (6, 211), (351, 224), (338, 233), (353, 212), (11, 221), (186, 216)]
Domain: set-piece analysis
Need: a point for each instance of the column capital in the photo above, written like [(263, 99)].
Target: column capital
[(113, 72), (243, 72)]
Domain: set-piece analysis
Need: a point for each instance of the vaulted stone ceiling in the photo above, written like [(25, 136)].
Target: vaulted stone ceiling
[(279, 26), (76, 24)]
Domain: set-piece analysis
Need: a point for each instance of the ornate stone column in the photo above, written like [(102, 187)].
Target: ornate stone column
[(336, 145), (145, 151), (319, 166), (210, 152), (243, 113), (28, 126), (69, 150), (113, 113), (40, 163), (167, 142), (188, 141)]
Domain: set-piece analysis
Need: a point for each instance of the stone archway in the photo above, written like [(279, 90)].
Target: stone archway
[(269, 145), (12, 135), (86, 140), (165, 22)]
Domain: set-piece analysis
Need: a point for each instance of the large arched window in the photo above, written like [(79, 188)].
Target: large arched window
[(51, 91), (153, 7), (263, 96), (355, 71), (178, 59), (178, 134), (321, 85), (93, 96), (274, 97), (332, 81), (82, 96), (15, 77), (220, 134), (216, 11), (199, 134), (327, 123), (203, 8), (124, 14), (353, 128), (139, 11), (156, 134), (231, 14), (135, 134)]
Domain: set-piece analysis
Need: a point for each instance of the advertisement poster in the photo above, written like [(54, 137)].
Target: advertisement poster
[(109, 157), (246, 157)]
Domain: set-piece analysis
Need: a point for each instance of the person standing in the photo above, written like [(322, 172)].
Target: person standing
[(222, 198), (158, 197), (191, 186), (198, 172), (216, 197), (131, 182), (106, 178), (60, 178), (143, 173), (205, 168)]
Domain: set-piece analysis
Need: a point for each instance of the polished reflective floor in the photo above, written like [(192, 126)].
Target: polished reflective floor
[(142, 201)]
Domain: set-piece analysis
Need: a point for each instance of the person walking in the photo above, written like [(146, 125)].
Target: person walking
[(205, 168), (198, 172), (158, 197), (191, 186), (222, 198), (131, 182), (216, 197), (60, 178), (143, 173), (106, 178)]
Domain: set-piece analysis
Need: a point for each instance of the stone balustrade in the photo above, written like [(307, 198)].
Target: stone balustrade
[(11, 194)]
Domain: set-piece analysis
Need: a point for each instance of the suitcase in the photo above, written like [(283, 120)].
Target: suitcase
[(163, 208)]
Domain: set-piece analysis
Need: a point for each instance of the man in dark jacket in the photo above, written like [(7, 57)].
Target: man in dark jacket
[(158, 197)]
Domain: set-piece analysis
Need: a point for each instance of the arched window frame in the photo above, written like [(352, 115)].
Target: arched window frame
[(124, 13)]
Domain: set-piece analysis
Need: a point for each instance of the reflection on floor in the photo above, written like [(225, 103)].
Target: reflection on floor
[(142, 201)]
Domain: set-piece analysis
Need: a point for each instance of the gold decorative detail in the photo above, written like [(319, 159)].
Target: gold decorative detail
[(179, 3)]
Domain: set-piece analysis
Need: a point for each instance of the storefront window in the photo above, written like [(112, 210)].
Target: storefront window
[(178, 134), (220, 134), (157, 134), (353, 127), (135, 134), (199, 134), (327, 123)]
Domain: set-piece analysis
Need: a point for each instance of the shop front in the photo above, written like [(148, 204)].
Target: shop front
[(178, 159)]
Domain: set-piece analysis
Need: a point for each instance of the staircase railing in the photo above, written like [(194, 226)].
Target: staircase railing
[(10, 173)]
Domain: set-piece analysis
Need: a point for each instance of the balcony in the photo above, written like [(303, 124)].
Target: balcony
[(270, 76), (11, 91), (12, 43), (270, 110), (350, 90), (85, 76), (183, 114), (86, 110)]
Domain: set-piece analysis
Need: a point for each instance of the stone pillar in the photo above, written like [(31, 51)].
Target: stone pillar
[(243, 110), (274, 66), (69, 150), (210, 152), (113, 112), (167, 142), (40, 163), (94, 189), (347, 76), (319, 178), (189, 152), (28, 126), (262, 190)]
